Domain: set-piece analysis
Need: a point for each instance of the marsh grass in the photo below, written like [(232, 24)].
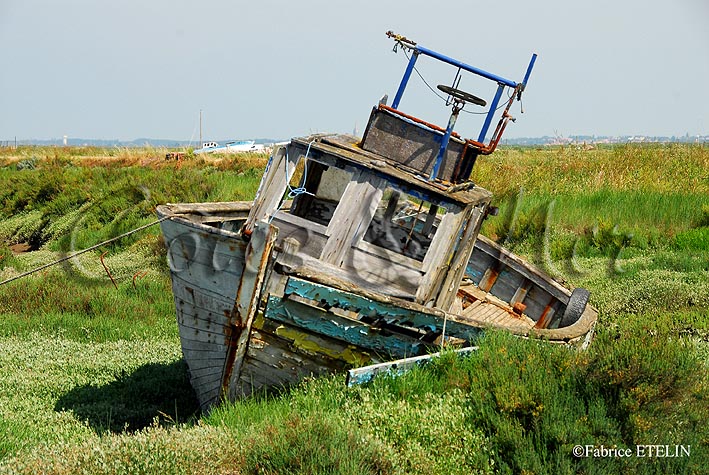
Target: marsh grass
[(92, 378)]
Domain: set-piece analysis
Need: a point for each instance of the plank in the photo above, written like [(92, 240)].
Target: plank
[(278, 173), (258, 260), (521, 291), (435, 263), (500, 316), (207, 382), (206, 280), (397, 276), (524, 268), (358, 280), (271, 361), (460, 259), (352, 216), (322, 350), (471, 308), (204, 363), (389, 256), (203, 333), (395, 368), (188, 226), (489, 278), (196, 346), (203, 297), (238, 208), (393, 314), (506, 285), (254, 377), (484, 312), (536, 301), (329, 325), (199, 373), (208, 398)]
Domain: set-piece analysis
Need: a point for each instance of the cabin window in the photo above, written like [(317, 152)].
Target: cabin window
[(316, 190), (404, 224)]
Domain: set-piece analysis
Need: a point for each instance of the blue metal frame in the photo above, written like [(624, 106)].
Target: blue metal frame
[(501, 82)]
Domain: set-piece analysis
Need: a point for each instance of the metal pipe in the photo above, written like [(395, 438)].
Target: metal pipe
[(491, 113), (405, 79), (529, 68), (444, 142), (467, 67)]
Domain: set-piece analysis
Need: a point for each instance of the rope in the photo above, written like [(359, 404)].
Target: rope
[(293, 192), (66, 258)]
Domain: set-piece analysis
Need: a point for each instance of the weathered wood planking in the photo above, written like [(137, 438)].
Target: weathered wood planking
[(460, 258), (366, 374), (325, 323), (273, 185), (436, 262), (231, 208), (400, 278), (280, 355), (353, 277), (352, 216), (392, 314), (206, 268), (525, 269), (258, 254), (512, 280)]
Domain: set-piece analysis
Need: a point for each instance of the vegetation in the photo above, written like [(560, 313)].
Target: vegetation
[(92, 380)]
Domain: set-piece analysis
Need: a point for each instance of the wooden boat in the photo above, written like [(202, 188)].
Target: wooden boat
[(356, 251)]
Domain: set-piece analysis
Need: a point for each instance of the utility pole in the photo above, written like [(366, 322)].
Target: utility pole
[(200, 129)]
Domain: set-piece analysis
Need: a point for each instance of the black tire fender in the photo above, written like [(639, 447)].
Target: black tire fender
[(575, 307)]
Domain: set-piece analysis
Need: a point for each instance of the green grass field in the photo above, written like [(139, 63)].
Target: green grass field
[(92, 379)]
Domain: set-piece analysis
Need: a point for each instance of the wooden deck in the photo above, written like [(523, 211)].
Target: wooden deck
[(485, 309)]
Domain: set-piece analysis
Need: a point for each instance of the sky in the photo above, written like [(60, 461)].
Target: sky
[(279, 69)]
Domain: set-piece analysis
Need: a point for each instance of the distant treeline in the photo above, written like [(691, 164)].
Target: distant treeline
[(545, 140), (141, 142)]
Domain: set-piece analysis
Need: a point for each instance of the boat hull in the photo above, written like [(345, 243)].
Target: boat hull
[(249, 323)]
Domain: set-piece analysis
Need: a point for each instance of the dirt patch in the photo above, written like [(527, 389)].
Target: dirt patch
[(21, 247)]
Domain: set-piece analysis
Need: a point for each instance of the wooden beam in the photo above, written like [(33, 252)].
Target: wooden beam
[(352, 216), (527, 270), (273, 186), (430, 220), (438, 258), (258, 255), (459, 261), (395, 368), (521, 291), (392, 313)]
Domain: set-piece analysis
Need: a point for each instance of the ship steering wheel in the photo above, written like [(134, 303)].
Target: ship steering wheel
[(462, 95)]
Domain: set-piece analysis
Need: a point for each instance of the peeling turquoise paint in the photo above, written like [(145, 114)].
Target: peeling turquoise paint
[(390, 313), (349, 331)]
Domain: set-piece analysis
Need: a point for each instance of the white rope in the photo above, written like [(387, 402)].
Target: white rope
[(301, 190)]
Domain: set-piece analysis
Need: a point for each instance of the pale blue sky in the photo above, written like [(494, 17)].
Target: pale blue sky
[(268, 68)]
